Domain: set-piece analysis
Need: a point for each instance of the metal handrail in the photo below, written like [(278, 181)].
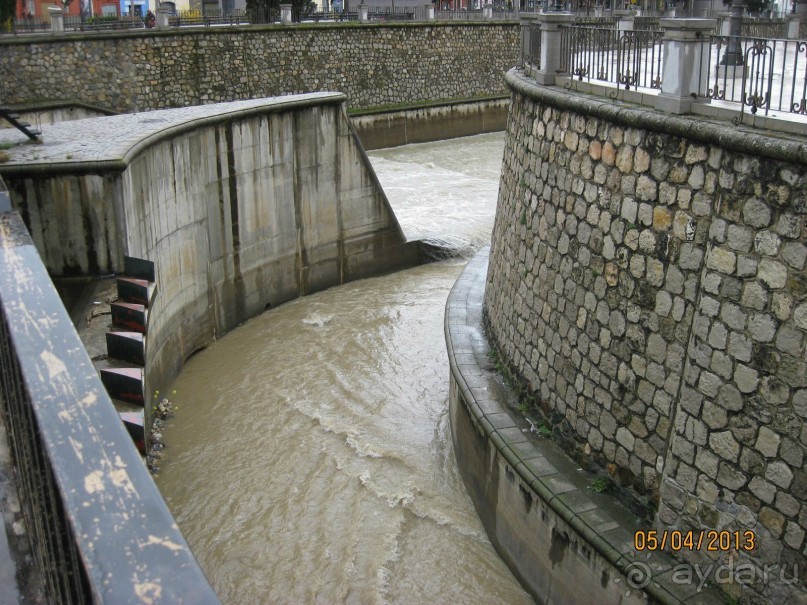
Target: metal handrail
[(100, 530)]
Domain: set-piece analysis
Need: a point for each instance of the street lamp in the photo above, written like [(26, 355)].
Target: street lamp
[(734, 53)]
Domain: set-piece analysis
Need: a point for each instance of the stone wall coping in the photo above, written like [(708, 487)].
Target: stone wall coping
[(389, 109), (694, 24), (108, 144), (780, 147), (553, 477), (72, 37)]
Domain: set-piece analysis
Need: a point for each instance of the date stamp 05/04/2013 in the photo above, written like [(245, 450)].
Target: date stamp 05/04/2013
[(709, 540)]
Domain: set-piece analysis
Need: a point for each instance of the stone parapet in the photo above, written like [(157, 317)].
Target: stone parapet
[(373, 64)]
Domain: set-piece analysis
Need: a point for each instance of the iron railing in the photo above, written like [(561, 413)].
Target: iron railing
[(396, 13), (629, 59), (100, 530), (209, 17), (771, 74), (764, 28), (77, 23), (532, 54)]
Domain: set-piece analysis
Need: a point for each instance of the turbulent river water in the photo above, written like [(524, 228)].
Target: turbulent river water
[(310, 460)]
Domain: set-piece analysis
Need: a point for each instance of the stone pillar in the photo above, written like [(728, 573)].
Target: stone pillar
[(162, 18), (724, 22), (56, 20), (285, 14), (487, 11), (430, 12), (363, 13), (686, 42), (550, 45), (625, 24), (793, 25)]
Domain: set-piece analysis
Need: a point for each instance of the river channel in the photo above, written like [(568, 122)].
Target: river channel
[(310, 459)]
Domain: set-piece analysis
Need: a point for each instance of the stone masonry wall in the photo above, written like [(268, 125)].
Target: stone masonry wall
[(647, 281), (374, 65)]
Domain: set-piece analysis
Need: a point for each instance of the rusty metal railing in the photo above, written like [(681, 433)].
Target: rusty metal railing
[(99, 528)]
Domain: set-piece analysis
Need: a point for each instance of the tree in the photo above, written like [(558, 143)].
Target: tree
[(757, 6), (752, 6), (266, 11), (6, 13)]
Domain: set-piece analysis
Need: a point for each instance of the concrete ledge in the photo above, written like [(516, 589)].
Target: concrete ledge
[(565, 543), (85, 146)]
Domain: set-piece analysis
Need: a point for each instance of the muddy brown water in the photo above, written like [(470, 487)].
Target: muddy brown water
[(310, 460)]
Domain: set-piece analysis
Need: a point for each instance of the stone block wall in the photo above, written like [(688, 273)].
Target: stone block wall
[(374, 65), (647, 281)]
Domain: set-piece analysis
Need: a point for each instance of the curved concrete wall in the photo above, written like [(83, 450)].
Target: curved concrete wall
[(240, 206), (647, 284)]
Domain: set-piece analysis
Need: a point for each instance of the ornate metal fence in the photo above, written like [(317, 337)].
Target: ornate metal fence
[(763, 75), (100, 530), (629, 59)]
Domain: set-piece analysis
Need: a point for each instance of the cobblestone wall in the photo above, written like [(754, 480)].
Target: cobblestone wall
[(374, 65), (651, 290)]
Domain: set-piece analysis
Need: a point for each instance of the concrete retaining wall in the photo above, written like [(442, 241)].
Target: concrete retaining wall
[(381, 129), (241, 206), (374, 65), (648, 285)]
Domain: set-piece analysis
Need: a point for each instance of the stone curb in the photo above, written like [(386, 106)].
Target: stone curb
[(703, 130), (538, 463)]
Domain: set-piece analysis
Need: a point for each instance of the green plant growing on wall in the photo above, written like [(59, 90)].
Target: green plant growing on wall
[(544, 430), (523, 219), (599, 485), (497, 363)]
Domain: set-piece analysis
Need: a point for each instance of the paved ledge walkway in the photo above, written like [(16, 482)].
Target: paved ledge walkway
[(114, 139), (598, 518)]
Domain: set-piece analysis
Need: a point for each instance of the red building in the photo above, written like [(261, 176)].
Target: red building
[(39, 8)]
